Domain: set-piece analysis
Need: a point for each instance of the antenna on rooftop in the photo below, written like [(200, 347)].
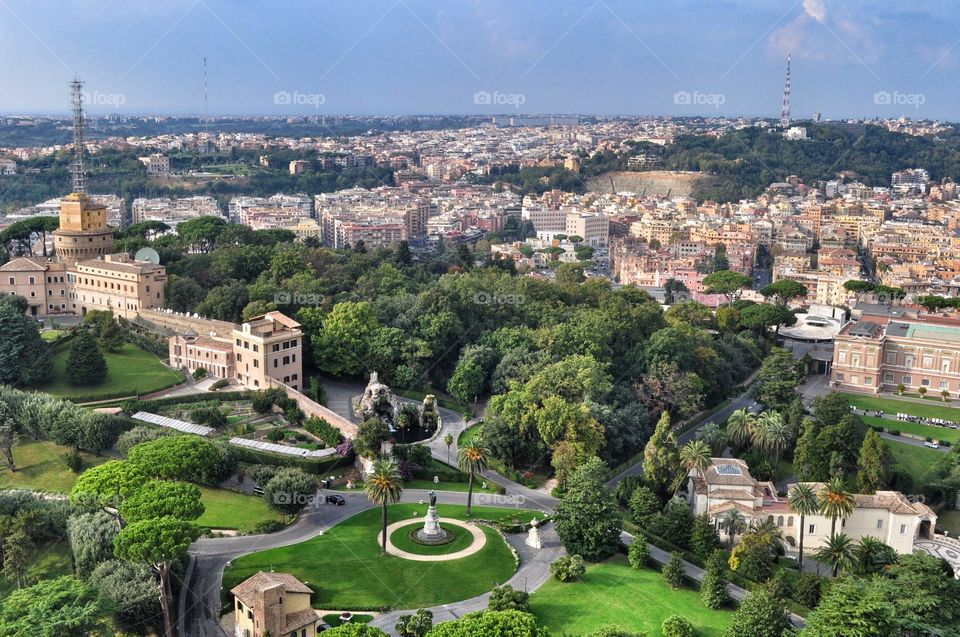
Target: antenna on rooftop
[(79, 168), (785, 110)]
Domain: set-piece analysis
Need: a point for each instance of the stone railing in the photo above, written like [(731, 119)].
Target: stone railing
[(311, 407), (182, 322)]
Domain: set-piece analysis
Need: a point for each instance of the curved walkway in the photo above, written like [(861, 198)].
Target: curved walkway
[(479, 541)]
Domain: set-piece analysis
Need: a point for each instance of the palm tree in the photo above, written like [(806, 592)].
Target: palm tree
[(836, 502), (740, 426), (384, 486), (473, 460), (837, 552), (448, 440), (735, 523), (772, 532), (872, 555), (773, 433), (803, 501)]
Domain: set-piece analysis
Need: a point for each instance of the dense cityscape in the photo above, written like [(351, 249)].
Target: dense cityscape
[(480, 373)]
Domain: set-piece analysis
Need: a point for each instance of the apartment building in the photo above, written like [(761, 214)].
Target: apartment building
[(593, 228), (174, 210), (156, 164), (278, 211)]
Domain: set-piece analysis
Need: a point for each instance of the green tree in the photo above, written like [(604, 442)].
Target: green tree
[(160, 498), (355, 630), (734, 523), (187, 458), (85, 363), (639, 553), (740, 426), (587, 518), (132, 590), (24, 357), (91, 538), (290, 490), (9, 438), (506, 623), (853, 607), (872, 556), (17, 550), (704, 539), (803, 501), (53, 608), (837, 553), (661, 458), (835, 502), (448, 441), (343, 345), (384, 486), (371, 434), (108, 484), (158, 543), (760, 615), (726, 282), (676, 626), (644, 504), (415, 625), (760, 317), (472, 458), (673, 570), (874, 464), (777, 380), (784, 291), (568, 568), (713, 590)]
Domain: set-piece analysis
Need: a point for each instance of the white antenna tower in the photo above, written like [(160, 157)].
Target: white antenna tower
[(206, 118), (785, 111)]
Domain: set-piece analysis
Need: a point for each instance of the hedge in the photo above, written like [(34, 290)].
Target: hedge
[(135, 405), (316, 466)]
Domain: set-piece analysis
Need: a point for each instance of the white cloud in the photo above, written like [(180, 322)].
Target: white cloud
[(816, 9)]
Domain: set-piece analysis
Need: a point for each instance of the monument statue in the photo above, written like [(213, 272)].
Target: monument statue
[(432, 533), (533, 535), (433, 498)]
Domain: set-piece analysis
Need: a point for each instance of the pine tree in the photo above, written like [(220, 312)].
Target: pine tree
[(760, 615), (86, 364), (661, 457), (673, 571), (703, 538), (713, 591), (874, 464), (807, 460)]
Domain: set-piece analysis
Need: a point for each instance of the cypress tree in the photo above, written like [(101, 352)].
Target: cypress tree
[(86, 364)]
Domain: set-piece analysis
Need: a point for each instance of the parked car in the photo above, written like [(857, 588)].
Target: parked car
[(932, 445), (333, 498)]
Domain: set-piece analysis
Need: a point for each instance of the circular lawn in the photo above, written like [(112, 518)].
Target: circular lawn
[(346, 570)]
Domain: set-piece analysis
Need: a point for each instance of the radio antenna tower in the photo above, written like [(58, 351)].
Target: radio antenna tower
[(785, 111), (79, 168), (205, 113)]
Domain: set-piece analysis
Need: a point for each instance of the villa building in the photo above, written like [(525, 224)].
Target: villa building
[(881, 351), (274, 604), (886, 515)]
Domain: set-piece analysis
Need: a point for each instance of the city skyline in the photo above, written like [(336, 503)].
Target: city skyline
[(402, 57)]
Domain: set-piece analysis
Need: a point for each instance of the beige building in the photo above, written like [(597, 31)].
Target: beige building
[(886, 515), (264, 349), (84, 276), (274, 604), (593, 228)]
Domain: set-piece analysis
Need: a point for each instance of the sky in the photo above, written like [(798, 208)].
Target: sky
[(857, 58)]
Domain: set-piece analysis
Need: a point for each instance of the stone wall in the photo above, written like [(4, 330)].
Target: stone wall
[(313, 408), (181, 323)]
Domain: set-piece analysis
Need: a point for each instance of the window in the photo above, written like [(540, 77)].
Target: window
[(903, 529), (855, 380), (944, 384), (926, 361), (925, 382), (891, 358), (790, 520), (839, 378), (256, 363), (867, 380), (811, 529), (276, 347), (32, 280), (879, 524), (276, 363), (13, 281), (286, 360), (779, 520), (256, 347), (907, 380), (843, 357), (888, 377)]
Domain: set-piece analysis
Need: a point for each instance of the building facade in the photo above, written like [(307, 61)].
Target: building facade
[(274, 605)]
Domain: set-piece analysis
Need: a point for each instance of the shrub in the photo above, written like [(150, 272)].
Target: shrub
[(893, 432), (673, 571), (140, 433), (276, 435), (220, 384), (73, 461), (713, 591), (676, 626), (639, 553), (781, 585), (507, 597), (807, 589), (199, 373), (612, 630), (268, 526), (209, 416), (567, 569), (323, 430)]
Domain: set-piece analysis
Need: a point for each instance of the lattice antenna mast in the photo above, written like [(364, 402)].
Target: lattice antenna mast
[(79, 146), (785, 111), (206, 118)]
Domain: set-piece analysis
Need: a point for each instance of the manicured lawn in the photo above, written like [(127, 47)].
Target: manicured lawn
[(936, 408), (613, 593), (949, 519), (40, 467), (937, 433), (51, 335), (469, 435), (334, 619), (401, 539), (47, 561), (345, 569), (921, 463), (130, 370), (232, 510)]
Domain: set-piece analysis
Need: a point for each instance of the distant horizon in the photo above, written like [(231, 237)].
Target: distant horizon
[(861, 59)]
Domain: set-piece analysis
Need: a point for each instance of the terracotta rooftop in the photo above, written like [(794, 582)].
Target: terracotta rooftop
[(261, 581)]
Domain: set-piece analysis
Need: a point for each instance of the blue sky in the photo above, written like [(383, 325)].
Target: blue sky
[(854, 58)]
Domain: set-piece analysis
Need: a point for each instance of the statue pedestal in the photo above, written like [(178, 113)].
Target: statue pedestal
[(533, 535), (431, 533)]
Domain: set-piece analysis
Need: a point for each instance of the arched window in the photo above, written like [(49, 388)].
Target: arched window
[(790, 521), (779, 520)]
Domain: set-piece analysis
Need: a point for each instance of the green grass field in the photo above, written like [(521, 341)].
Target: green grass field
[(51, 335), (130, 370), (921, 463), (47, 561), (232, 510), (334, 619), (40, 467), (936, 408), (937, 433), (346, 571), (613, 593), (401, 539)]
